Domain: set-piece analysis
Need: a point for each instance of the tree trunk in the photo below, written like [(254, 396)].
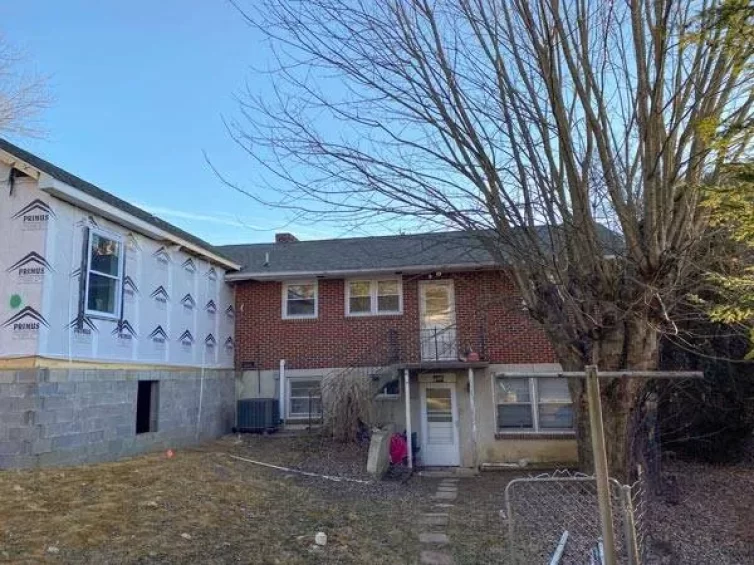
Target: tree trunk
[(633, 347)]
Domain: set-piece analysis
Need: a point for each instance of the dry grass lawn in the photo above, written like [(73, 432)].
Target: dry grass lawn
[(201, 506)]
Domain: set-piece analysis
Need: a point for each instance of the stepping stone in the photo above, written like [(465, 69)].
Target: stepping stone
[(445, 495), (433, 537), (443, 505), (435, 519), (447, 489), (428, 557)]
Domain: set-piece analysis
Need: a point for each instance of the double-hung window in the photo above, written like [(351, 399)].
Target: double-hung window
[(304, 398), (300, 299), (104, 276), (373, 297), (533, 405)]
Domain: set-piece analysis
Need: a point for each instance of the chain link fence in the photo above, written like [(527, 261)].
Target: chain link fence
[(704, 519), (543, 510)]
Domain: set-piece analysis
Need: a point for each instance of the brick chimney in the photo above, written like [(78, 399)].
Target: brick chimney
[(285, 238)]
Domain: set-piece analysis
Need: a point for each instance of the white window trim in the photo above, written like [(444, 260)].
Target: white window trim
[(373, 297), (534, 404), (289, 397), (284, 307), (119, 288)]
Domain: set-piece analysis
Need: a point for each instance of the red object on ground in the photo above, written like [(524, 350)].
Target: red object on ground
[(398, 449), (169, 453)]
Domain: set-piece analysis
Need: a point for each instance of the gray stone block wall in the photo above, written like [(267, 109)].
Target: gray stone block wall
[(52, 417)]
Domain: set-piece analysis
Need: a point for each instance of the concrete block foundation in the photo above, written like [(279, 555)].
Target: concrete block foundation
[(55, 417)]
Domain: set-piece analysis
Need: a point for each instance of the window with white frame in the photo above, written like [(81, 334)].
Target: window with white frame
[(300, 299), (533, 405), (104, 276), (305, 397), (373, 297)]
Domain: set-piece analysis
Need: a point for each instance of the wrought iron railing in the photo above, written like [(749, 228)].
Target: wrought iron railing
[(398, 345), (439, 344)]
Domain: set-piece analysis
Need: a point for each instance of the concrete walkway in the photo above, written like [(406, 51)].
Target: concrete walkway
[(434, 539)]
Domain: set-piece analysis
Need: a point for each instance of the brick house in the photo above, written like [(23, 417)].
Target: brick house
[(431, 319), (120, 333)]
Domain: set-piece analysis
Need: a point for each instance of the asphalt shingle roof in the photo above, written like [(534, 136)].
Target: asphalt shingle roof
[(457, 249), (383, 253), (362, 253), (96, 192)]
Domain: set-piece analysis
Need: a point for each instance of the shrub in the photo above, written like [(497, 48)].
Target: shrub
[(708, 419)]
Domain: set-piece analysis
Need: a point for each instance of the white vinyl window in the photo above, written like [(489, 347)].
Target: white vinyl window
[(533, 405), (305, 398), (374, 297), (300, 299), (104, 276)]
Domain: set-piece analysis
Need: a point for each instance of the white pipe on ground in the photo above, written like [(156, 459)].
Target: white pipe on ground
[(300, 472), (559, 549)]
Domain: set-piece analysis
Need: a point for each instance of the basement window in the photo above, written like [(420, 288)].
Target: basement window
[(147, 404), (305, 397), (390, 391), (533, 405)]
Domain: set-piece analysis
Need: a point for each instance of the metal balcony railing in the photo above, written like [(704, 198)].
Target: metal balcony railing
[(411, 345), (439, 344)]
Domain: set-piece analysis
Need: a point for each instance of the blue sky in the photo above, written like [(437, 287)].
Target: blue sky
[(139, 89)]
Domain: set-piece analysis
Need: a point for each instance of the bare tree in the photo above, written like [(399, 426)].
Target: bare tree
[(23, 95), (545, 126)]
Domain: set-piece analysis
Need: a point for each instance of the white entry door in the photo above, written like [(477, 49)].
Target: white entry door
[(439, 423), (437, 313)]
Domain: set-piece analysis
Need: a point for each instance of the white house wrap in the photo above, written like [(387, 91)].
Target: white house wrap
[(90, 283)]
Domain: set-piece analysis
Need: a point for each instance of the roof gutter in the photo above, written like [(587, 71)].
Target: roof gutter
[(340, 273), (80, 199)]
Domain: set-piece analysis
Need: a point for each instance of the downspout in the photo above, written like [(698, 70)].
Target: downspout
[(201, 393), (473, 417), (281, 395), (408, 419), (70, 308)]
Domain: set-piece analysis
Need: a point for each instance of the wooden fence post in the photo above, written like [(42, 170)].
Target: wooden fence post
[(600, 463)]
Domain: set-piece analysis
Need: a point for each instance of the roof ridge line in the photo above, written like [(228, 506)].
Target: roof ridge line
[(358, 238)]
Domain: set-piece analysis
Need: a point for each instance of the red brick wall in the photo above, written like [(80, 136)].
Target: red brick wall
[(489, 317)]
